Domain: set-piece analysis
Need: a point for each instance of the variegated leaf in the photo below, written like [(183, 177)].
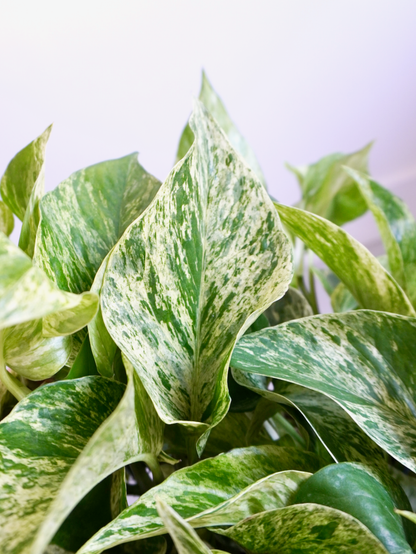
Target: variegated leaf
[(328, 191), (397, 228), (31, 219), (132, 433), (307, 529), (362, 360), (216, 108), (204, 485), (342, 300), (367, 280), (22, 173), (84, 217), (184, 537), (169, 297), (39, 442), (351, 489), (6, 219), (293, 305)]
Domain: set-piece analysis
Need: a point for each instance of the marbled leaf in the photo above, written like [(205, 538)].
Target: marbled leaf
[(22, 173), (132, 433), (204, 485), (328, 191), (362, 360), (31, 219), (305, 529), (216, 108), (84, 217), (39, 442), (293, 305), (191, 275), (367, 280)]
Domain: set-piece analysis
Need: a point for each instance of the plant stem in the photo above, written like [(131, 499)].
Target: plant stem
[(12, 384), (312, 293), (289, 429), (154, 467)]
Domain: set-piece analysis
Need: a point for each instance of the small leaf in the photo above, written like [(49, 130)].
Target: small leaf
[(84, 363), (368, 281), (6, 219), (307, 529), (362, 360), (21, 174), (216, 108), (39, 442), (32, 216), (293, 305), (351, 489), (169, 295), (204, 485)]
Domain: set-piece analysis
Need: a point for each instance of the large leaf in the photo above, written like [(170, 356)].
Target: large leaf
[(205, 485), (363, 360), (368, 281), (351, 489), (305, 529), (169, 296), (84, 217), (39, 442), (328, 191), (132, 433), (6, 219), (216, 108), (22, 173), (397, 228)]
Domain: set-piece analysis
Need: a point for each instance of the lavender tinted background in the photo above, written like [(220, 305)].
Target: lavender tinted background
[(301, 79)]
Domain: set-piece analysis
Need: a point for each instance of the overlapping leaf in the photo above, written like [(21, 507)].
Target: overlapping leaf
[(362, 360), (6, 219), (205, 485), (328, 191), (192, 274), (216, 108), (293, 305), (397, 228), (39, 442), (307, 529), (84, 217), (367, 280), (132, 433)]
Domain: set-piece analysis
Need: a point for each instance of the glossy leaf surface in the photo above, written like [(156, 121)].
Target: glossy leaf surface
[(39, 442), (169, 297), (204, 485), (362, 360), (368, 281)]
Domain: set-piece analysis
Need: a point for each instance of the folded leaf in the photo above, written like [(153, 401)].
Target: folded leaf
[(351, 489), (397, 228), (84, 217), (39, 442), (31, 219), (362, 360), (6, 219), (328, 191), (204, 485), (21, 174), (132, 433), (368, 281), (169, 296), (307, 529), (216, 108)]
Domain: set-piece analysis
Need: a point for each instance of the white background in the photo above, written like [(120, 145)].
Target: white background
[(301, 79)]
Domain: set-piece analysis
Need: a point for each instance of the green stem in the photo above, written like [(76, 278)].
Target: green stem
[(289, 429), (312, 293), (154, 467), (12, 384)]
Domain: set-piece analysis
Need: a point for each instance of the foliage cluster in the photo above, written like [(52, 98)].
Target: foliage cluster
[(167, 383)]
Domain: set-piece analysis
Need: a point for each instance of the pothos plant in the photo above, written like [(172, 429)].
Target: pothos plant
[(167, 381)]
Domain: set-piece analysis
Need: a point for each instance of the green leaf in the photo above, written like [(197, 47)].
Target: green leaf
[(84, 217), (293, 305), (204, 485), (362, 360), (22, 173), (351, 489), (342, 300), (184, 537), (216, 108), (169, 296), (84, 363), (368, 281), (39, 442), (328, 191), (397, 228), (307, 529), (31, 219), (6, 219), (132, 433)]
